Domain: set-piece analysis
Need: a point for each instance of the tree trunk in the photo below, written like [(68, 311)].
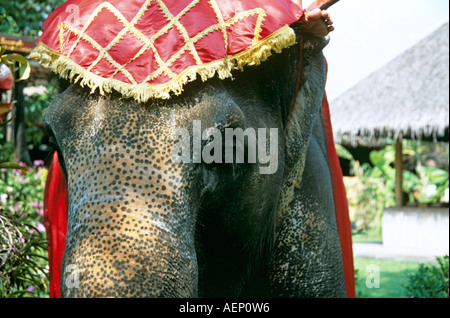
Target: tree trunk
[(20, 139), (399, 172)]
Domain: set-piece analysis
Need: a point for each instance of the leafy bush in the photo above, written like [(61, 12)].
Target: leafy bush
[(371, 189), (367, 193), (6, 151), (359, 285), (36, 106), (25, 17), (433, 185), (429, 281), (23, 244)]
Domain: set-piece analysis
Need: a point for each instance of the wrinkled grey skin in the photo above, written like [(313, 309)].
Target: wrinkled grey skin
[(140, 225)]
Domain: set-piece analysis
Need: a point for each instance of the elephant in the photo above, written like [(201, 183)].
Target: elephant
[(140, 224)]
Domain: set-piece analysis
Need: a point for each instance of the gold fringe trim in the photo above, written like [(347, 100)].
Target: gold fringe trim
[(68, 69)]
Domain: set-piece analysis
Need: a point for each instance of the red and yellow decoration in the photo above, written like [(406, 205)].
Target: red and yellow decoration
[(150, 48)]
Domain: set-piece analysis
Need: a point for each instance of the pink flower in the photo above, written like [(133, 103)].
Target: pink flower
[(35, 204), (38, 162), (39, 208), (40, 227), (40, 212)]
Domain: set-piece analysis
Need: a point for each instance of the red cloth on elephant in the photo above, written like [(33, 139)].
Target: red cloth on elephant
[(340, 203), (151, 48), (340, 199), (55, 221)]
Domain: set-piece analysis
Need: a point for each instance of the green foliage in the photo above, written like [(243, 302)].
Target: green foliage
[(367, 195), (371, 198), (36, 105), (25, 17), (372, 187), (359, 285), (343, 153), (23, 243), (429, 281), (433, 183), (383, 167), (23, 69), (393, 277), (6, 152), (424, 185)]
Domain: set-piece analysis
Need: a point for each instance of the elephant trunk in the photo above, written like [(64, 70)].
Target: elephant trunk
[(130, 239)]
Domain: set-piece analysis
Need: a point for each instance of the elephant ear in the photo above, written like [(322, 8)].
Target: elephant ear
[(150, 49)]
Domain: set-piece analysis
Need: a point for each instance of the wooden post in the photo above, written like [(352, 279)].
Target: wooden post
[(21, 153), (399, 172)]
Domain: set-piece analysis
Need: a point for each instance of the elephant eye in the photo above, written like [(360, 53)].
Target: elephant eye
[(54, 146), (52, 142)]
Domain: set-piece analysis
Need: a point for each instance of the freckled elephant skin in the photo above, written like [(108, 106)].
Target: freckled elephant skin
[(140, 225)]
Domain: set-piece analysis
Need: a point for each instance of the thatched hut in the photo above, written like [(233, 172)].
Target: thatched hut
[(407, 98)]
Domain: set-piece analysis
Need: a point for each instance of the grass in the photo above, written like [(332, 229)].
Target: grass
[(372, 235), (382, 278)]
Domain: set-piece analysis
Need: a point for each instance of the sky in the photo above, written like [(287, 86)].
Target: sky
[(370, 33)]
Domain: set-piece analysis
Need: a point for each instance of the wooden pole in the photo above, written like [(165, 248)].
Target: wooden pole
[(399, 172), (21, 153)]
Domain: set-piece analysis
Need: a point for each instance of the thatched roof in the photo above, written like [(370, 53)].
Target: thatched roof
[(408, 96)]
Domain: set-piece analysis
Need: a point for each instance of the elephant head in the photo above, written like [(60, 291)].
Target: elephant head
[(143, 223)]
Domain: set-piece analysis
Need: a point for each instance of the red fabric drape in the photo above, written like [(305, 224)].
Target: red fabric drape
[(340, 203), (55, 221), (340, 199)]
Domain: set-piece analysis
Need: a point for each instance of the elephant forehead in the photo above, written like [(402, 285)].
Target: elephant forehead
[(150, 48)]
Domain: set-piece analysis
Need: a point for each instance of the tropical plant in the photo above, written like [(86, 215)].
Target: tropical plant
[(36, 105), (433, 185), (23, 71), (23, 243), (11, 59), (372, 187), (429, 281), (25, 17), (383, 167), (367, 195)]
